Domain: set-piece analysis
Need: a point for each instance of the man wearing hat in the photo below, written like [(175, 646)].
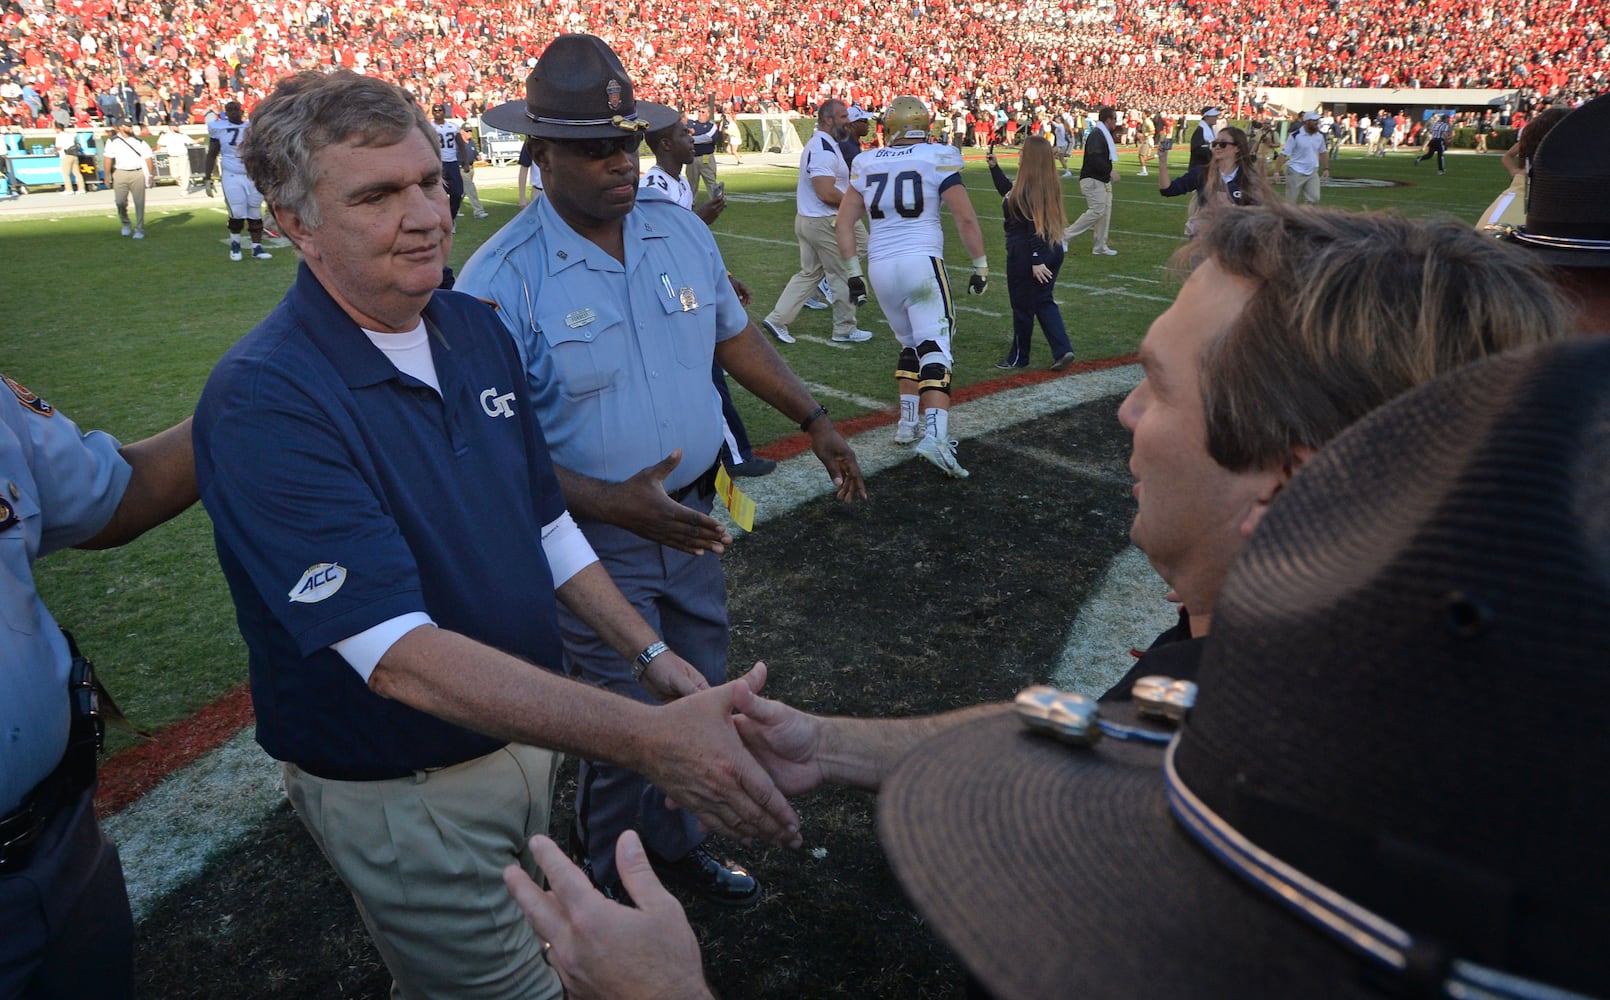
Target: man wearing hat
[(1207, 474), (1336, 817), (1306, 160), (619, 306), (859, 123), (1202, 139), (395, 541), (1568, 215)]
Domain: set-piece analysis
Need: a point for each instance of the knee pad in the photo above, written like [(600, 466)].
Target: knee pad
[(934, 376), (935, 371), (907, 367), (236, 225)]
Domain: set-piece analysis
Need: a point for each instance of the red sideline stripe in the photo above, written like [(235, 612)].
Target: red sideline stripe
[(131, 773), (796, 444)]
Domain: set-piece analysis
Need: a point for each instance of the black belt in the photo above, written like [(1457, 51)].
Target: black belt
[(21, 828), (704, 484)]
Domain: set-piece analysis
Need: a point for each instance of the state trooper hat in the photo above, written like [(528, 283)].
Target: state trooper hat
[(1567, 210), (579, 90), (1392, 782)]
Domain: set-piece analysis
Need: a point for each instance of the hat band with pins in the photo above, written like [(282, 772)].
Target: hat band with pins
[(1364, 932), (626, 123)]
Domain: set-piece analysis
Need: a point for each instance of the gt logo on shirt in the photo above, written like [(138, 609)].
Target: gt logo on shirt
[(496, 404), (320, 581)]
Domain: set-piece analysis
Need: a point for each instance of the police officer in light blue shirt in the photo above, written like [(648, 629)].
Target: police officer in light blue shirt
[(619, 307), (65, 926)]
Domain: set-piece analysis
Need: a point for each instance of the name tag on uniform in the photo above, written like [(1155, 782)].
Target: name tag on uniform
[(580, 318)]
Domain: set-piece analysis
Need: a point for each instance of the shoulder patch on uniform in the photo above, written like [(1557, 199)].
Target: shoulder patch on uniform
[(321, 580), (28, 397)]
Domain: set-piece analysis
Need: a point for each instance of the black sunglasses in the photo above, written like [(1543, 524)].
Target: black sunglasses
[(602, 149), (1220, 145)]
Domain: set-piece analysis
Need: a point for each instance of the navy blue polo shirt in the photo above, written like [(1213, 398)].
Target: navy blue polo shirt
[(704, 137), (344, 493)]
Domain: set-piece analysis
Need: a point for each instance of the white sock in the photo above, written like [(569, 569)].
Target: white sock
[(938, 422), (908, 410)]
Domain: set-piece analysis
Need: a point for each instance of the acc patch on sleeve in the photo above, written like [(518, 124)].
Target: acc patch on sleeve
[(27, 397)]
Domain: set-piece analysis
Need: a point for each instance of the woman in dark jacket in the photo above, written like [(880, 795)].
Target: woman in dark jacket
[(1034, 223), (1232, 177)]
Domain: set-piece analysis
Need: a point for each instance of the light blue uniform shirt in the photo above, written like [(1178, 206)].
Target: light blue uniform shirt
[(58, 487), (618, 357)]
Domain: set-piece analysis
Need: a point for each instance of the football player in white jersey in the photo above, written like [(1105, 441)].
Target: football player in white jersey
[(901, 188), (452, 179), (224, 138)]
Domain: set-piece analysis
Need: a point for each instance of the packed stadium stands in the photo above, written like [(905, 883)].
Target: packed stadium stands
[(181, 58)]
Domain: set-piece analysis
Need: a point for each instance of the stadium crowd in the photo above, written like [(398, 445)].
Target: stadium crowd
[(80, 61)]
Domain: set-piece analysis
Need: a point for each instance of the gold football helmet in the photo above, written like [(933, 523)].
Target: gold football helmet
[(906, 118)]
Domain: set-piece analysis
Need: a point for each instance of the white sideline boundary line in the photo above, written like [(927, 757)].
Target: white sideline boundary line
[(168, 835)]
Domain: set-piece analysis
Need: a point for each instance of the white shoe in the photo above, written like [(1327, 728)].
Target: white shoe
[(258, 253), (127, 230), (1142, 172), (816, 303), (858, 337), (942, 455), (778, 330), (906, 433), (139, 234), (1067, 173), (482, 215), (826, 289), (234, 251), (1105, 252)]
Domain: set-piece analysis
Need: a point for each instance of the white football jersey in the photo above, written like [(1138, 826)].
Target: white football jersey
[(656, 183), (901, 186), (447, 135), (229, 136)]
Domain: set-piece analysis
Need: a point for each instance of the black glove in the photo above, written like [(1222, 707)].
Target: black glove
[(976, 284), (857, 291)]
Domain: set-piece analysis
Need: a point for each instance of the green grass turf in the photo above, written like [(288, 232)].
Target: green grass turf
[(121, 336)]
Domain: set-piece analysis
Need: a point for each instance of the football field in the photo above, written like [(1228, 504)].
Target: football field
[(935, 594)]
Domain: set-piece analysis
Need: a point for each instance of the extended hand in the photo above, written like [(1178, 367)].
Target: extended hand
[(669, 677), (838, 458), (783, 739), (599, 947), (1042, 274), (977, 284), (641, 506), (703, 767), (712, 209), (857, 291)]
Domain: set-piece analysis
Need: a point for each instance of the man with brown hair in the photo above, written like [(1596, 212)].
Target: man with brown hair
[(1270, 350)]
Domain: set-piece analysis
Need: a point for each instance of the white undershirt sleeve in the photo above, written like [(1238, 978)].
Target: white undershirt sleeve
[(364, 650), (567, 549)]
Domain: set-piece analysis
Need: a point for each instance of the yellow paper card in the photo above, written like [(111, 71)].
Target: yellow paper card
[(737, 503)]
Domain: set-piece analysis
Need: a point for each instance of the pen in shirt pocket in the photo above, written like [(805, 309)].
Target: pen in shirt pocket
[(665, 279)]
